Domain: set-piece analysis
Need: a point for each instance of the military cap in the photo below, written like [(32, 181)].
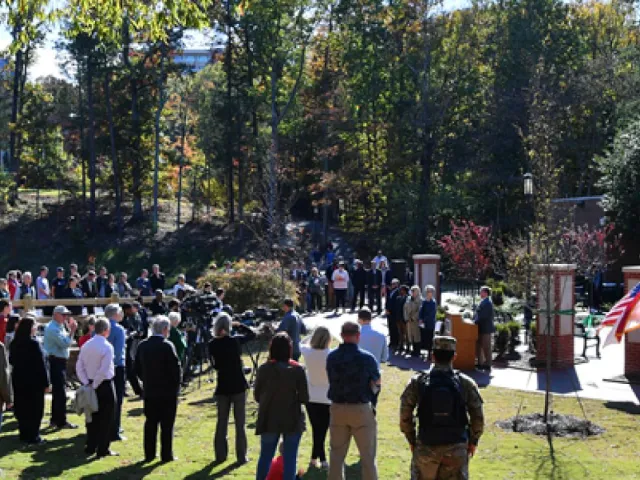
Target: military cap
[(444, 344)]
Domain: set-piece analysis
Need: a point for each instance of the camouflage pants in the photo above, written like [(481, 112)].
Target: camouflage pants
[(441, 462)]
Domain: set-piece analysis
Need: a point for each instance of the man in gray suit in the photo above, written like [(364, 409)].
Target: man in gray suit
[(484, 320)]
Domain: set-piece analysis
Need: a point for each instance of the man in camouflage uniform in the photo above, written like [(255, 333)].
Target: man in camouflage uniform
[(442, 453)]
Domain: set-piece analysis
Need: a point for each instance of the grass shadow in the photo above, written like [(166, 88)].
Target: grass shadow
[(553, 468), (48, 463), (132, 471), (206, 472), (203, 401), (11, 426), (626, 407)]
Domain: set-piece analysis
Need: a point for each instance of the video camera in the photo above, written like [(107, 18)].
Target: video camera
[(199, 309)]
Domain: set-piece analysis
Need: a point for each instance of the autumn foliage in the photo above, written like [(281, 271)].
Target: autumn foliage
[(591, 249), (469, 249)]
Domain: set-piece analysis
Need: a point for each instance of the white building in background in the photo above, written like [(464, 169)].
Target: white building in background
[(196, 59)]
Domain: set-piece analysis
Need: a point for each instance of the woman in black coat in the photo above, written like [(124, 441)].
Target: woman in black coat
[(30, 381), (232, 386)]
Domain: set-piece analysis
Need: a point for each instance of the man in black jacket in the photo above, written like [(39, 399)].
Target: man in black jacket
[(156, 280), (132, 323), (158, 367), (392, 313), (89, 288), (484, 319), (374, 282), (359, 280)]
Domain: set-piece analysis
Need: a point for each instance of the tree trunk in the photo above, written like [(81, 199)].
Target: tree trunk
[(193, 197), (325, 90), (156, 165), (136, 171), (92, 147), (114, 156), (83, 164), (15, 106), (254, 114), (241, 182), (272, 178), (182, 142), (426, 156), (228, 63)]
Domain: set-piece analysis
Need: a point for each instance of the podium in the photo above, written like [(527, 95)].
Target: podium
[(466, 334)]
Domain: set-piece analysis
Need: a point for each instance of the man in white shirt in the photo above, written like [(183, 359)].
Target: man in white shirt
[(380, 258), (95, 367), (42, 284), (372, 341), (340, 280), (182, 285)]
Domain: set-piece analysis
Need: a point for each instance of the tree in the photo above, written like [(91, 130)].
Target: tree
[(620, 180), (27, 20), (469, 248), (282, 33)]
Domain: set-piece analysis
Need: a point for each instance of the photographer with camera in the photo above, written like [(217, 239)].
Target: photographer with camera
[(225, 350)]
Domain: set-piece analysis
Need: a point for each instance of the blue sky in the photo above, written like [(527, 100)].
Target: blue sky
[(47, 61)]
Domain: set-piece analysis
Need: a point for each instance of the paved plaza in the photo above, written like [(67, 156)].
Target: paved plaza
[(588, 380)]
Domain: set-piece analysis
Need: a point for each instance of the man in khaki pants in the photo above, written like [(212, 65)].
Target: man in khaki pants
[(484, 320), (354, 378)]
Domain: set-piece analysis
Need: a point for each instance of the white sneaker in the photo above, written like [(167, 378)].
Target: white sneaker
[(313, 464), (324, 465)]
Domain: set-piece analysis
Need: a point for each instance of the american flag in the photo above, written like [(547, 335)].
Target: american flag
[(624, 317)]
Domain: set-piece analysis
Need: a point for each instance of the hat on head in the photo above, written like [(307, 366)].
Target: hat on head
[(447, 344), (60, 269), (62, 310)]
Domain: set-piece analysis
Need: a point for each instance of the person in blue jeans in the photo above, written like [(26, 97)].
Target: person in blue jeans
[(280, 391)]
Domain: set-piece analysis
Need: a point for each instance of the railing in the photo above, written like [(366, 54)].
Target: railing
[(29, 304), (460, 287)]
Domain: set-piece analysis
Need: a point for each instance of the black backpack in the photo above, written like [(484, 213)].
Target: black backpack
[(442, 412)]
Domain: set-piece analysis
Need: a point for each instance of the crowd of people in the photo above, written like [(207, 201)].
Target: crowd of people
[(332, 282), (339, 389)]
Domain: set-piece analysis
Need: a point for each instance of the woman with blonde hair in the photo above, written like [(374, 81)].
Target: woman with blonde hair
[(411, 317), (315, 349)]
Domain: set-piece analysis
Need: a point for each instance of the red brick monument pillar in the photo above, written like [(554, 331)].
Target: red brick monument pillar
[(556, 289), (426, 269), (632, 339)]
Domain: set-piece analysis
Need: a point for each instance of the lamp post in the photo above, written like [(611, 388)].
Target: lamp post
[(528, 195)]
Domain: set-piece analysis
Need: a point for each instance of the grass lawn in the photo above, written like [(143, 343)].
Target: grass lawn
[(501, 455)]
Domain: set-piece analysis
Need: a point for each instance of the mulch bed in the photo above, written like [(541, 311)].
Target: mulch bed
[(566, 426)]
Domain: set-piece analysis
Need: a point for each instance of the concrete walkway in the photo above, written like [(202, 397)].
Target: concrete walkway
[(586, 380)]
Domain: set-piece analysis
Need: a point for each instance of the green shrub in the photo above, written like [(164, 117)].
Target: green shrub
[(506, 288), (497, 296), (250, 289), (502, 338), (441, 314)]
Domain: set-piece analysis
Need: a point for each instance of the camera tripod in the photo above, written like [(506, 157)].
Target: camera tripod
[(198, 351)]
